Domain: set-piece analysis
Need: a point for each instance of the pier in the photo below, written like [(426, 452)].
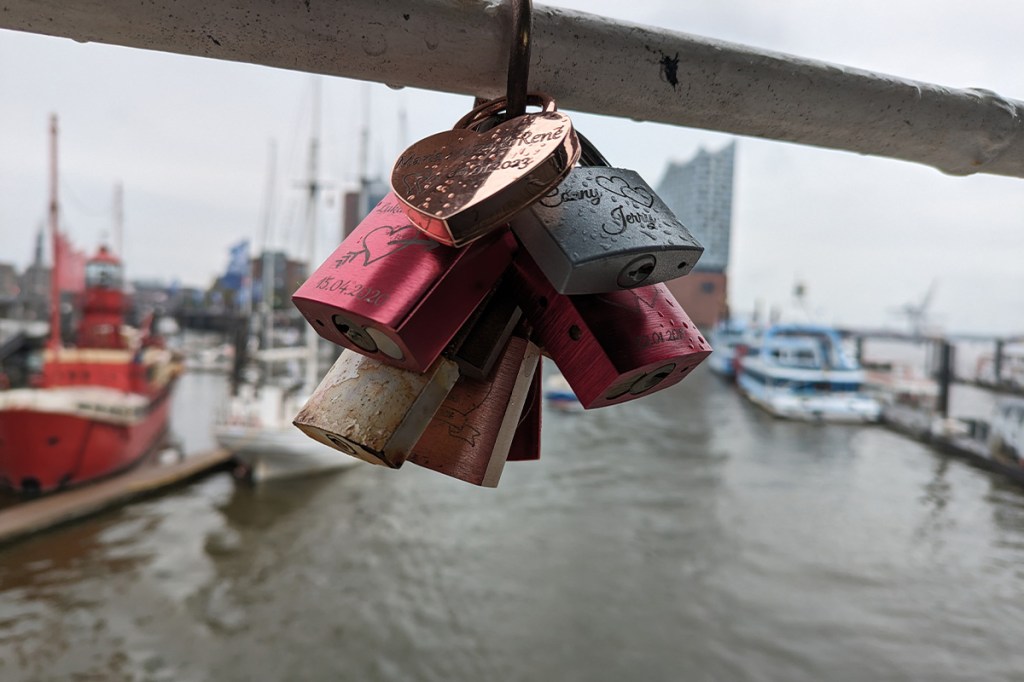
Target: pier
[(999, 371), (45, 513)]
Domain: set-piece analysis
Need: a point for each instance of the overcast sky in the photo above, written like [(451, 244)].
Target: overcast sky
[(189, 140)]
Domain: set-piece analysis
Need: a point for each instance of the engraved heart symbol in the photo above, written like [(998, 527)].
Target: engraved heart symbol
[(617, 185), (381, 242), (635, 299), (470, 182)]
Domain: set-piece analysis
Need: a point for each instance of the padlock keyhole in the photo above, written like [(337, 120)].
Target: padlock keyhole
[(642, 273), (637, 271), (355, 334)]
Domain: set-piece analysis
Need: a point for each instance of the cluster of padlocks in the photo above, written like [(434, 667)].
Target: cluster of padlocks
[(494, 247)]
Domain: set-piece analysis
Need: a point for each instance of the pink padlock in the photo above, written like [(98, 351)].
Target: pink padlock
[(394, 294), (610, 347)]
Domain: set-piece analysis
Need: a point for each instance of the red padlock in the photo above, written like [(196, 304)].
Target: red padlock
[(471, 434), (611, 347), (526, 443), (393, 294)]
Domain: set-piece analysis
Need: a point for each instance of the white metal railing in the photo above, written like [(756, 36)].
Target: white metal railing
[(591, 63)]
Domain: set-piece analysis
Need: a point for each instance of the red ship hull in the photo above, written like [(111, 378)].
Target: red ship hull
[(47, 449)]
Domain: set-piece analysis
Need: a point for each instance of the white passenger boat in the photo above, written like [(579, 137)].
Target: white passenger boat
[(800, 371), (256, 426), (729, 338), (1006, 434), (559, 395)]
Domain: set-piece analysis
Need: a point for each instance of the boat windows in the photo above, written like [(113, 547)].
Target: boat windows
[(802, 358), (101, 274)]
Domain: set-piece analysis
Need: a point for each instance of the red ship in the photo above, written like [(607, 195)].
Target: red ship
[(99, 406)]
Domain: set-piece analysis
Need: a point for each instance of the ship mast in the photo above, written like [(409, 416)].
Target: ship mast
[(267, 268), (119, 221), (312, 186), (54, 342)]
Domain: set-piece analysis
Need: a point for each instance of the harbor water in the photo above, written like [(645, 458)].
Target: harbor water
[(687, 536)]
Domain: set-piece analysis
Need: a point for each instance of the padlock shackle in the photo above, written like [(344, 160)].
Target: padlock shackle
[(495, 106), (589, 155), (519, 58)]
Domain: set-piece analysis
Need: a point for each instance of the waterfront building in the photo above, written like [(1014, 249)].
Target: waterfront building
[(699, 192)]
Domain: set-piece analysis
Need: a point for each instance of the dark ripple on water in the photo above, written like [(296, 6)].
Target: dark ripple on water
[(686, 536)]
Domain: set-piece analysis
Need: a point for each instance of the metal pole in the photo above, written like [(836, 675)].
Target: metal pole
[(589, 63), (997, 363), (54, 342), (945, 377)]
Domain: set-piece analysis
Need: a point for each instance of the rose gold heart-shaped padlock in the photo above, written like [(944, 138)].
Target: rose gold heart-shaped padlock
[(460, 184)]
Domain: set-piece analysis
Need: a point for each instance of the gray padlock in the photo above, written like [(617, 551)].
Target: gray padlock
[(604, 229)]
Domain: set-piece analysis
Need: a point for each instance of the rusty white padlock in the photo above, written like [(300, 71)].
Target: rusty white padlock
[(373, 411)]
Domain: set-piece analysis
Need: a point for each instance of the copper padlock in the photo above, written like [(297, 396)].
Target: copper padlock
[(471, 434), (373, 411), (391, 293), (610, 347), (460, 184), (604, 229)]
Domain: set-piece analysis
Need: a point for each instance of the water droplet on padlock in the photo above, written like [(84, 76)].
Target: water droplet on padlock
[(451, 195)]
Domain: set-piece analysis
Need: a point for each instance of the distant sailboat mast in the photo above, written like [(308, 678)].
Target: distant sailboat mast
[(312, 186), (54, 341), (267, 267), (364, 156)]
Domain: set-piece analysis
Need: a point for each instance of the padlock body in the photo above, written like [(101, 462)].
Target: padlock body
[(374, 411), (611, 347), (604, 229), (459, 185), (526, 442), (488, 331), (395, 295), (471, 434)]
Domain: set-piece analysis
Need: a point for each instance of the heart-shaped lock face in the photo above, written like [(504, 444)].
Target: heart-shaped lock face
[(460, 184)]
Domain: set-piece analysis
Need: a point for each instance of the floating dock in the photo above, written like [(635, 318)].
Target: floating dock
[(918, 424), (33, 516)]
